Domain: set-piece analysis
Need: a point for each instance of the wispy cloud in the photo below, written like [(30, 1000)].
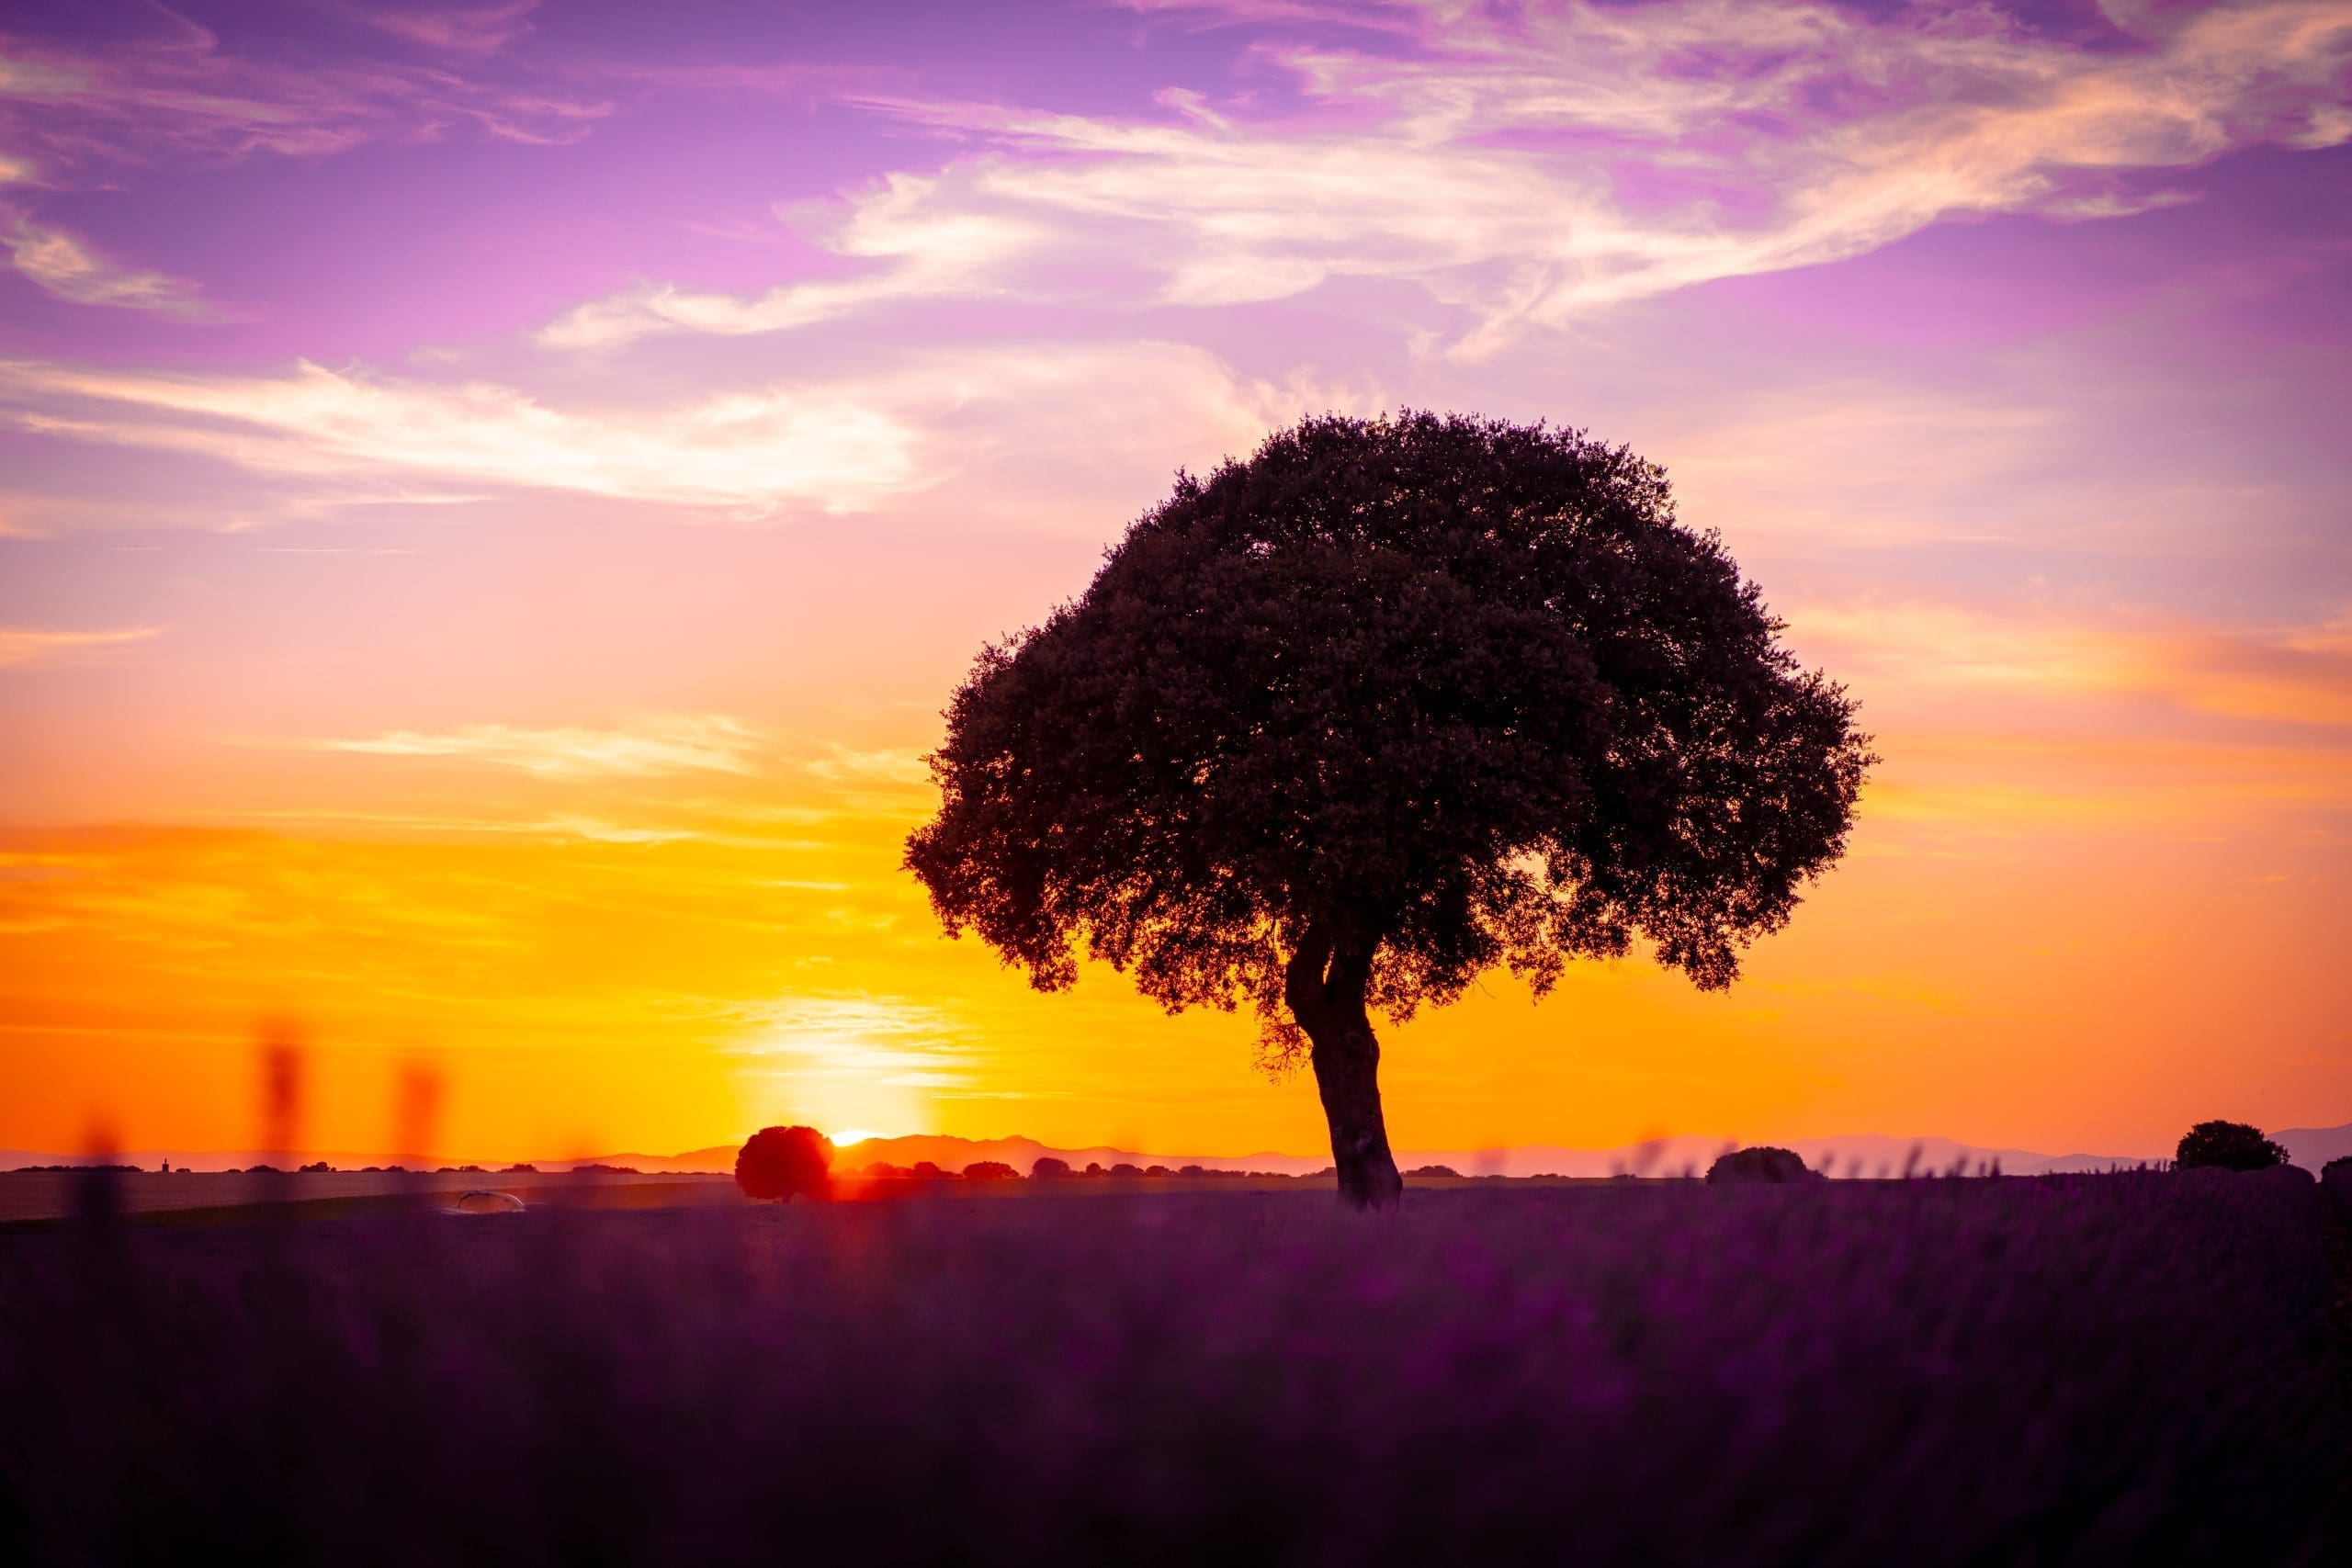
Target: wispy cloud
[(60, 264), (482, 28), (20, 646), (750, 451), (928, 240), (1528, 166), (843, 765), (1097, 419), (879, 1041), (177, 92), (2297, 675), (674, 743)]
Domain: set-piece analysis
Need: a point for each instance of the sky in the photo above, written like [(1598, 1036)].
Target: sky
[(495, 496)]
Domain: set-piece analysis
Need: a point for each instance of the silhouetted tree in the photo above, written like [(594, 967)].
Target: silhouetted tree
[(1768, 1164), (2227, 1145), (1047, 1168), (1126, 1171), (991, 1170), (782, 1163), (1094, 1167), (923, 1170), (1439, 1170), (1391, 703)]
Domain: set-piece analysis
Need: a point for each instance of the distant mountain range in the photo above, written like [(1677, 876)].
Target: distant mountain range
[(1860, 1155)]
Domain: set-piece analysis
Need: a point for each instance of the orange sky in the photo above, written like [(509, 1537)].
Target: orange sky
[(2055, 944), (479, 588)]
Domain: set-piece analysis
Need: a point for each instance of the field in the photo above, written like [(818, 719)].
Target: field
[(2138, 1368), (197, 1197)]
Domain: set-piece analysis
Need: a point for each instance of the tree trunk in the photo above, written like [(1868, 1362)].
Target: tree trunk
[(1325, 984)]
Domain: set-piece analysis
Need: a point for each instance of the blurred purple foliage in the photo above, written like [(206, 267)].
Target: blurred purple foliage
[(2080, 1370)]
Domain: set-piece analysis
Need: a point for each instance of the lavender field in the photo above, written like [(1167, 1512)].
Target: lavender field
[(2135, 1367)]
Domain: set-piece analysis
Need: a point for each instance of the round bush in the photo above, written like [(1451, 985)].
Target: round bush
[(782, 1163), (991, 1170), (2335, 1181), (1768, 1164), (2227, 1145), (1049, 1169)]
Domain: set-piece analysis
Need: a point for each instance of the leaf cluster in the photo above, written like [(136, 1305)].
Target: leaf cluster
[(2228, 1146), (1449, 692)]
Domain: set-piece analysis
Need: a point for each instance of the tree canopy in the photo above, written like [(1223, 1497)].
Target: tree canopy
[(1389, 703), (778, 1163), (2227, 1145)]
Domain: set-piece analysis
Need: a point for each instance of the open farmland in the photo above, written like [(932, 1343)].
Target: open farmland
[(33, 1195), (2133, 1368)]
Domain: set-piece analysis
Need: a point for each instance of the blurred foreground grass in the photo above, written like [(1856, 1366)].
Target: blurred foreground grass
[(2133, 1368)]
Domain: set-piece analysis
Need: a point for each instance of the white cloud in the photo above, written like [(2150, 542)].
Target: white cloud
[(1574, 157), (1044, 434), (754, 452), (931, 244), (669, 743)]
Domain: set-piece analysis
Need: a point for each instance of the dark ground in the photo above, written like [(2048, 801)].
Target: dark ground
[(2136, 1368)]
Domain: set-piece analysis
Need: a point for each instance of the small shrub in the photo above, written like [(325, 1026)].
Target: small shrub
[(779, 1164), (2335, 1181), (1761, 1165), (2227, 1145)]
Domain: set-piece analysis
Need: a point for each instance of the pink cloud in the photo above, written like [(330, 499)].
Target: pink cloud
[(178, 94), (66, 267), (481, 28)]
